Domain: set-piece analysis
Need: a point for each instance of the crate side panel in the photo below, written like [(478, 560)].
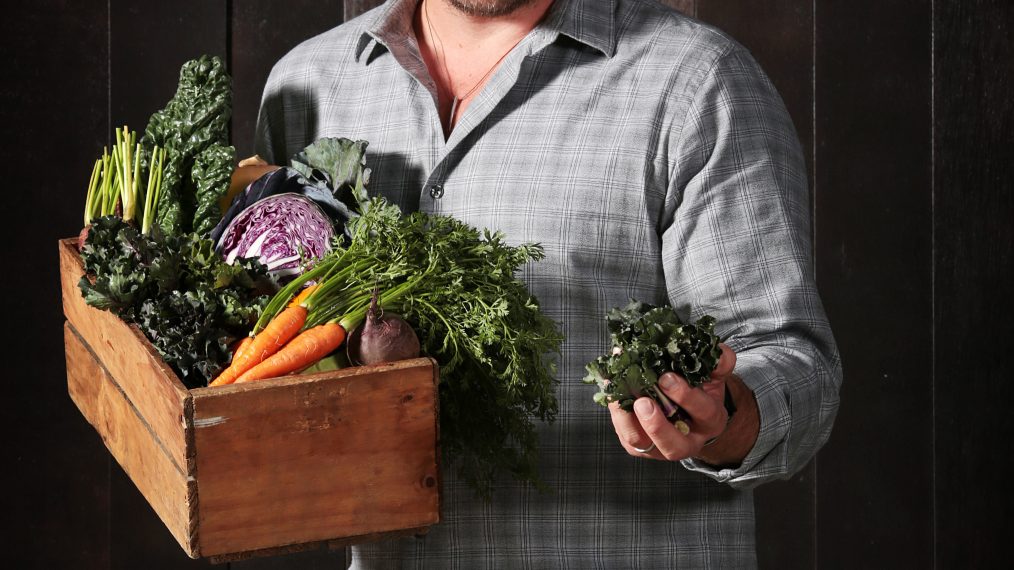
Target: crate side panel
[(129, 439), (151, 387), (329, 457)]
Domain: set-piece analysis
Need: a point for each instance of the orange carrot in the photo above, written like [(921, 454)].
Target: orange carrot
[(310, 346), (229, 375), (298, 300), (279, 331), (243, 344)]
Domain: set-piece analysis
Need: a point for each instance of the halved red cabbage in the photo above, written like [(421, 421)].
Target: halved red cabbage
[(281, 231)]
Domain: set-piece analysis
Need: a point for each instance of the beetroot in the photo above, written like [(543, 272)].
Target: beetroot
[(382, 337)]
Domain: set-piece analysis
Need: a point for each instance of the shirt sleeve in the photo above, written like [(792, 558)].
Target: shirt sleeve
[(738, 246)]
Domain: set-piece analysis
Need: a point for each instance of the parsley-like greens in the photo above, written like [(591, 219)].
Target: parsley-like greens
[(647, 342)]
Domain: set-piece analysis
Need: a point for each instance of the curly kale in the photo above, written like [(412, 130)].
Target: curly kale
[(193, 128), (647, 342), (188, 302)]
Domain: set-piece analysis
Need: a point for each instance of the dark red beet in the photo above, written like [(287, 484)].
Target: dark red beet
[(382, 337)]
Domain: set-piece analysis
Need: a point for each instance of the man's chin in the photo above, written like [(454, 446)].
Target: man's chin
[(489, 8)]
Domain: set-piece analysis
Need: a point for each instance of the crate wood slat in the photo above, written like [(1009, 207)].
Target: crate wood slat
[(149, 384), (129, 439), (276, 466), (316, 457)]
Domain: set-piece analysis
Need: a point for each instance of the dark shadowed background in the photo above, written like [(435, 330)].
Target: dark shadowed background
[(906, 112)]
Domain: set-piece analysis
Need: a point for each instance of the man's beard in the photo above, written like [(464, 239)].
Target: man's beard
[(489, 8)]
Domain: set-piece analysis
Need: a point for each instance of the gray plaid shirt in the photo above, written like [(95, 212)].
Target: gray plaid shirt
[(653, 160)]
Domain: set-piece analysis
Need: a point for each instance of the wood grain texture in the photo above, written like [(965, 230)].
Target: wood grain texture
[(128, 438), (150, 385), (317, 457), (973, 235), (355, 8), (52, 104), (149, 43), (874, 265), (688, 7), (262, 32)]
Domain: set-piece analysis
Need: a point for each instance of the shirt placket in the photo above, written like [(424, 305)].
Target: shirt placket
[(440, 188)]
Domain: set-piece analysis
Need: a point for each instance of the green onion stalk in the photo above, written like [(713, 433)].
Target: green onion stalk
[(115, 183)]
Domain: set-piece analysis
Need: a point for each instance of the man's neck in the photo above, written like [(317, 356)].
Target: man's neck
[(462, 50), (460, 30)]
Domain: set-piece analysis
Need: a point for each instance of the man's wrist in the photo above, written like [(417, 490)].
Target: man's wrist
[(740, 435)]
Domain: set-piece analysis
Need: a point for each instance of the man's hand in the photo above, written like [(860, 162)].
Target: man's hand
[(708, 419)]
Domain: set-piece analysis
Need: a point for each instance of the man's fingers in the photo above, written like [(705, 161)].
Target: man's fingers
[(672, 444), (726, 363), (629, 431), (706, 412)]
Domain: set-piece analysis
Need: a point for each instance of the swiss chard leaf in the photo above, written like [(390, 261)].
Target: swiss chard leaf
[(196, 118)]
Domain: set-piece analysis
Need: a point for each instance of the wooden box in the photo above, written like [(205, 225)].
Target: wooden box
[(274, 466)]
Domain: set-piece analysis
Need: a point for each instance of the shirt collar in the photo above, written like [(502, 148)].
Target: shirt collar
[(590, 22)]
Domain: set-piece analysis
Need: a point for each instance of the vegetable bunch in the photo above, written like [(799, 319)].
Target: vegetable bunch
[(193, 128), (456, 287), (647, 342), (117, 182), (180, 293)]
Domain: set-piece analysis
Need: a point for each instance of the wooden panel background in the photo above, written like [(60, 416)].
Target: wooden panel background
[(905, 114)]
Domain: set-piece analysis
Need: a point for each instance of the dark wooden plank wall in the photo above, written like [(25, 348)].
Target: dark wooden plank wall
[(973, 237), (904, 112)]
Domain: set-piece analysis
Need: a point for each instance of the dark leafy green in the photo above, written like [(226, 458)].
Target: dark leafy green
[(195, 120), (211, 175), (648, 341), (186, 300), (338, 163)]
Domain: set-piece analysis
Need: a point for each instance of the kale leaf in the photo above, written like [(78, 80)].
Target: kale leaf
[(195, 120), (648, 341), (181, 294)]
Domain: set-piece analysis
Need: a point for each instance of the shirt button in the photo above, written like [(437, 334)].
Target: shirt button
[(436, 191)]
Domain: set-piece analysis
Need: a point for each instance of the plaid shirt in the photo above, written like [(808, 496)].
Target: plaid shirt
[(653, 160)]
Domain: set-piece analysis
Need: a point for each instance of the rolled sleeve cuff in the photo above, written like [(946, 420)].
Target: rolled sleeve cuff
[(768, 458)]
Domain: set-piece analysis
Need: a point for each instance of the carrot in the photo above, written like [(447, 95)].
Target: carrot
[(298, 300), (279, 331), (243, 344), (310, 346), (229, 375)]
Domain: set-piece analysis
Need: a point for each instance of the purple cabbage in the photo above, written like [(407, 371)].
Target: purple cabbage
[(285, 231), (323, 189)]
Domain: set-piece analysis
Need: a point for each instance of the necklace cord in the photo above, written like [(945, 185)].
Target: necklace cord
[(443, 56)]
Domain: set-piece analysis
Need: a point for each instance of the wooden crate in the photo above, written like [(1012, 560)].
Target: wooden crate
[(274, 466)]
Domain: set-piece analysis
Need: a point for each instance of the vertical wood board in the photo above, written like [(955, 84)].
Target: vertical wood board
[(874, 262), (973, 237), (150, 41), (355, 8), (53, 108), (314, 458)]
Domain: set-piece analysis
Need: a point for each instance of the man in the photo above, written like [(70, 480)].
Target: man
[(653, 160)]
